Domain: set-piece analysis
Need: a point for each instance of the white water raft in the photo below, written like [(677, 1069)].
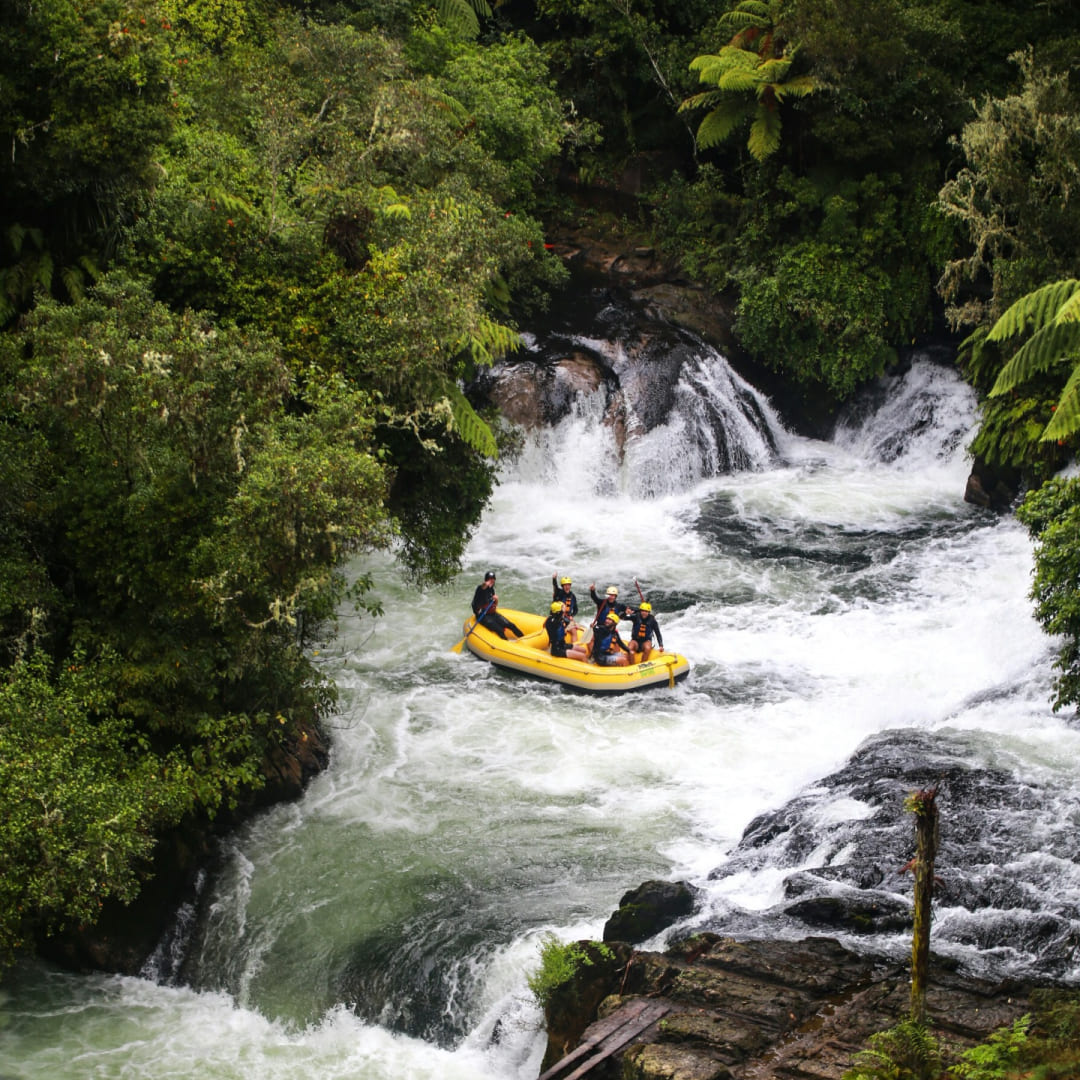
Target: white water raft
[(530, 654)]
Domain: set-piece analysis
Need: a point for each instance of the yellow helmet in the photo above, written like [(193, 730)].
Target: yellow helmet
[(613, 616), (646, 607), (612, 590), (565, 581), (556, 605)]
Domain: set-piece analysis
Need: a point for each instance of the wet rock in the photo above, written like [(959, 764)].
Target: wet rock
[(648, 909), (767, 1010)]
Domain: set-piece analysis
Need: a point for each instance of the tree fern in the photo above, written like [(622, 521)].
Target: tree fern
[(487, 341), (463, 15), (1037, 308), (468, 424), (1042, 351), (1053, 314), (753, 73)]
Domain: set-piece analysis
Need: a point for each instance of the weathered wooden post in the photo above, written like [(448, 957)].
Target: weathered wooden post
[(923, 804)]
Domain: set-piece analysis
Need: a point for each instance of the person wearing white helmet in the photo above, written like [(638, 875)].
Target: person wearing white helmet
[(644, 627), (608, 602), (557, 625)]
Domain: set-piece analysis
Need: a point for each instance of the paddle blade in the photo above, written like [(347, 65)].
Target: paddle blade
[(457, 648)]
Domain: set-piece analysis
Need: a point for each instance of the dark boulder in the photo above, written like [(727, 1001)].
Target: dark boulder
[(648, 909)]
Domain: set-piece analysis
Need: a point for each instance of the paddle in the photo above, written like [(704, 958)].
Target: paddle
[(476, 622)]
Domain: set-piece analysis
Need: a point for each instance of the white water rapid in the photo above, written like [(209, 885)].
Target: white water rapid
[(830, 596)]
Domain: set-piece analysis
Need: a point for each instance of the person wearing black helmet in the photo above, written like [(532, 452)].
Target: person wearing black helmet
[(484, 605), (643, 627)]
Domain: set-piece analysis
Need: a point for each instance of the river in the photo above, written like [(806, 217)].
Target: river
[(835, 598)]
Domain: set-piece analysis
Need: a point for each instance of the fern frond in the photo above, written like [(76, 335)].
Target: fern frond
[(72, 278), (468, 424), (748, 13), (43, 272), (489, 340), (1044, 349), (800, 86), (764, 134), (701, 101), (739, 80), (232, 205), (1066, 418), (1069, 310), (1034, 310), (720, 123), (773, 71), (460, 114), (463, 15), (390, 204)]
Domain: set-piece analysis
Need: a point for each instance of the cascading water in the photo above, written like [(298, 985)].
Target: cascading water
[(856, 630)]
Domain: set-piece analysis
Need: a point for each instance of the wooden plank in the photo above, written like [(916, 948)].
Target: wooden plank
[(614, 1033), (598, 1031)]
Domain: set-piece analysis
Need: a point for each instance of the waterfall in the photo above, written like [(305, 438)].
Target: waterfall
[(855, 629)]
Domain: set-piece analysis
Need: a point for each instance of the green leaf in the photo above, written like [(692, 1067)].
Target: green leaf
[(720, 123), (764, 134), (1035, 310), (1066, 418), (1045, 348)]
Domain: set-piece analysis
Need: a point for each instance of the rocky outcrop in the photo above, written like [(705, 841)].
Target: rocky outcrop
[(769, 1010), (645, 911)]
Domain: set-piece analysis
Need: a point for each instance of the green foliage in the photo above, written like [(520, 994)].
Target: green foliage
[(998, 1057), (1013, 195), (80, 806), (752, 75), (559, 964), (85, 103), (908, 1051), (1052, 516), (1051, 315)]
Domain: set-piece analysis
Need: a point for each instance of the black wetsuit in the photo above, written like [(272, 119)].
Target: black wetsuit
[(644, 627), (496, 623), (555, 625), (567, 599), (604, 604), (605, 641)]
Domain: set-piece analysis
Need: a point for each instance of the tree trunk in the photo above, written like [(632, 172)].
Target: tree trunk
[(924, 806)]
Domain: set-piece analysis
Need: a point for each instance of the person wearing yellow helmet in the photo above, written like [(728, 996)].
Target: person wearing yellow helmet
[(608, 649), (643, 628), (561, 591), (557, 625)]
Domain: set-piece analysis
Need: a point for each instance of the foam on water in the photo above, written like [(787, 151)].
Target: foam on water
[(385, 926)]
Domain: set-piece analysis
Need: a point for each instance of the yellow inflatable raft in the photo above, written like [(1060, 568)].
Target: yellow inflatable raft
[(530, 654)]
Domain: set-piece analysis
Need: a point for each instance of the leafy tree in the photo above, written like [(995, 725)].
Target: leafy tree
[(1052, 516), (82, 800), (190, 518), (752, 75), (1015, 196), (85, 103)]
